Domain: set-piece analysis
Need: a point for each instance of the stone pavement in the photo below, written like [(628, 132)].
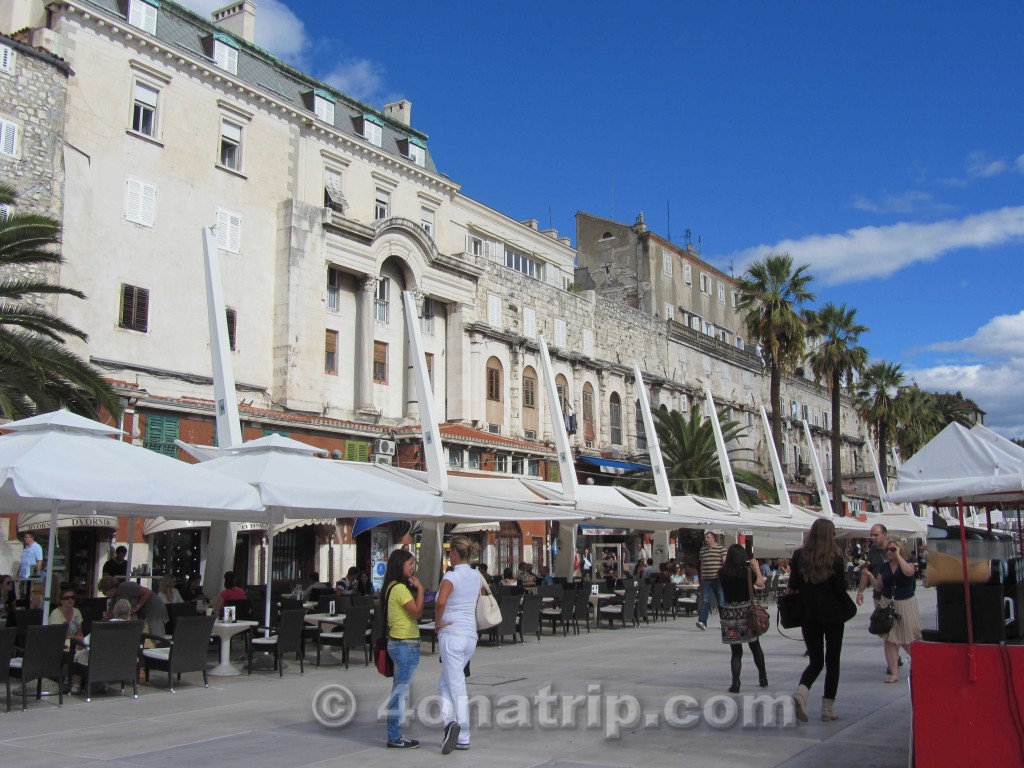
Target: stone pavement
[(630, 710)]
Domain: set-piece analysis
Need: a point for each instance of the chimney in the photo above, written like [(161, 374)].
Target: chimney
[(552, 233), (400, 111), (238, 18), (531, 223)]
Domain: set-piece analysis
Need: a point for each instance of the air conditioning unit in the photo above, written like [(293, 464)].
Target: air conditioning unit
[(384, 447), (530, 434), (380, 459), (494, 429)]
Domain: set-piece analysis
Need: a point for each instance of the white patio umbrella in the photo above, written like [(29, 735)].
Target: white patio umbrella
[(292, 481), (60, 462)]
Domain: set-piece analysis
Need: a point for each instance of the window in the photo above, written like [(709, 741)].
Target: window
[(739, 342), (5, 212), (707, 365), (331, 352), (225, 56), (560, 335), (735, 300), (230, 145), (721, 292), (520, 263), (427, 318), (493, 381), (533, 467), (641, 430), (705, 284), (429, 358), (455, 456), (666, 263), (7, 59), (494, 310), (134, 308), (474, 458), (333, 196), (380, 362), (229, 231), (142, 14), (615, 418), (709, 328), (140, 202), (416, 151), (161, 432), (588, 342), (373, 129), (323, 106), (687, 274), (381, 204), (232, 316), (517, 463), (529, 322), (670, 312), (8, 138), (333, 289), (144, 110), (501, 463), (529, 392), (382, 301), (725, 372), (474, 245), (427, 221), (588, 404), (748, 380), (356, 450)]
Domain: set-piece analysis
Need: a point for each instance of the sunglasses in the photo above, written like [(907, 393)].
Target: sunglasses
[(67, 597), (894, 549)]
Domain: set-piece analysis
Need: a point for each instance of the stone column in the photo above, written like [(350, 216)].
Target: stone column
[(412, 403), (364, 344)]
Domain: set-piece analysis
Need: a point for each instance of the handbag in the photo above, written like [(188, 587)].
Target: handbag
[(758, 620), (381, 658), (882, 619), (488, 613), (791, 614)]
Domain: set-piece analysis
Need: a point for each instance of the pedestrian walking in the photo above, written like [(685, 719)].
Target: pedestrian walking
[(737, 576), (896, 582), (712, 556)]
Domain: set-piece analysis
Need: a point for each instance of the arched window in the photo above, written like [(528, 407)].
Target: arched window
[(615, 418), (530, 410), (588, 412), (495, 392)]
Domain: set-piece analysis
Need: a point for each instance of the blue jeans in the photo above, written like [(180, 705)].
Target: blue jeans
[(406, 655), (709, 587)]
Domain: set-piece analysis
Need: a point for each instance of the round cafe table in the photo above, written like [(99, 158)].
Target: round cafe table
[(225, 632)]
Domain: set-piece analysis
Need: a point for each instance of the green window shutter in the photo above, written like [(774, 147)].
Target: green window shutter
[(161, 432), (553, 472), (357, 450), (280, 432)]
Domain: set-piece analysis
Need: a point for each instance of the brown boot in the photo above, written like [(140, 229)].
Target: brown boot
[(827, 713)]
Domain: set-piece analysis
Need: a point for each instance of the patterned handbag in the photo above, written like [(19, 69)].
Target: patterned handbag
[(758, 620)]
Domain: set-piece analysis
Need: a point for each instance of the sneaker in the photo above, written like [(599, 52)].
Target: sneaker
[(462, 746), (451, 736), (403, 743), (701, 625)]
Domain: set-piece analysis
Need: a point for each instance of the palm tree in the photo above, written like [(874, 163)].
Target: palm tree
[(924, 414), (37, 371), (691, 457), (836, 358), (772, 293), (878, 402)]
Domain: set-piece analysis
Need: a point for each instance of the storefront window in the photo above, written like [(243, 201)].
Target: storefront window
[(177, 553)]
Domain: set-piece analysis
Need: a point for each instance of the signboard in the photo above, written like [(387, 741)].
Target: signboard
[(380, 547)]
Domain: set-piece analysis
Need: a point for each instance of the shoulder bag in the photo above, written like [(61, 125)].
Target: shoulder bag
[(791, 612), (884, 617), (385, 664), (758, 620), (488, 613)]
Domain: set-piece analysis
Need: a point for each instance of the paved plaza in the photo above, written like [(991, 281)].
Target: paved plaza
[(630, 709)]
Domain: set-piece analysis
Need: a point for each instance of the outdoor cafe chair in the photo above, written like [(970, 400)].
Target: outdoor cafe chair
[(529, 618), (642, 596), (42, 657), (563, 613), (581, 609), (668, 602), (184, 651), (656, 598), (92, 609), (25, 618), (351, 635), (509, 607), (287, 639), (551, 590), (7, 638), (113, 656), (624, 610), (176, 611)]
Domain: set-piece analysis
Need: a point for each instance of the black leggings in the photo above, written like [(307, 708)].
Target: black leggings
[(824, 644), (736, 662)]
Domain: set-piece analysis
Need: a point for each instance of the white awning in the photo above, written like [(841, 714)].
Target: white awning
[(475, 527), (40, 521), (156, 525), (289, 524)]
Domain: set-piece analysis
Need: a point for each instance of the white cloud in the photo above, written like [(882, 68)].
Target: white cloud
[(994, 387), (1002, 336), (278, 29), (911, 201), (1019, 164), (979, 166), (359, 78), (876, 252)]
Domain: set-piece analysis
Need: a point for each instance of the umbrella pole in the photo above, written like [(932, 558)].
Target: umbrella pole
[(1020, 535), (270, 569), (50, 546), (972, 668), (131, 548)]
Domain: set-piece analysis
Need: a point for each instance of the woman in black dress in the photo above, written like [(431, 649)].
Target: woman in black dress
[(736, 576)]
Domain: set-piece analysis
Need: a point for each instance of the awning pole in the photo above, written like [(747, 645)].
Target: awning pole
[(270, 568), (972, 667), (50, 546), (131, 549)]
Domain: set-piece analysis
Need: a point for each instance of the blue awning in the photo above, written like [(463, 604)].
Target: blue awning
[(366, 523), (613, 464)]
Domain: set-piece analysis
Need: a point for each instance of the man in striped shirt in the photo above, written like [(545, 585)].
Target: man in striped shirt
[(712, 555)]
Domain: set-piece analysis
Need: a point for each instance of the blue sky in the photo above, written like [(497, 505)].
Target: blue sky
[(881, 143)]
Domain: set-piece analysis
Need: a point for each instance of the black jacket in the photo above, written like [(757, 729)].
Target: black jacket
[(821, 603)]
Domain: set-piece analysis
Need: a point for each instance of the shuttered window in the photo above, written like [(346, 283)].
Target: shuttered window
[(529, 392), (331, 352), (357, 450), (494, 310), (560, 334), (493, 382), (142, 15), (229, 231), (380, 362), (588, 342), (232, 316), (134, 308), (140, 202), (161, 432), (144, 109), (7, 59), (8, 138), (225, 56)]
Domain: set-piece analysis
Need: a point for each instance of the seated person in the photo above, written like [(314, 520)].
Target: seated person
[(508, 579), (650, 569), (66, 613), (545, 576), (314, 584), (122, 611), (349, 585), (144, 602), (192, 590), (661, 576), (168, 590), (365, 584), (482, 567), (526, 575), (230, 592)]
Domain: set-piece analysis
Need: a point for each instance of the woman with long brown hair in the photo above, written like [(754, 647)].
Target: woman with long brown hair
[(402, 602), (818, 577)]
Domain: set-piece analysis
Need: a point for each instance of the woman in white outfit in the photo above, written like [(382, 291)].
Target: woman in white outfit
[(455, 617)]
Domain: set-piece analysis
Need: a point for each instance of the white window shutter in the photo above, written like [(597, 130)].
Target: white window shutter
[(529, 322), (560, 332), (8, 138), (148, 205), (588, 342), (6, 58), (133, 201), (494, 310), (229, 231)]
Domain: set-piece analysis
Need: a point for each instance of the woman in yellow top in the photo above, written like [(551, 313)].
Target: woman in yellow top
[(402, 603)]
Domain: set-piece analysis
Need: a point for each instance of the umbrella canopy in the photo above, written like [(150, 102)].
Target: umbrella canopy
[(69, 461)]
